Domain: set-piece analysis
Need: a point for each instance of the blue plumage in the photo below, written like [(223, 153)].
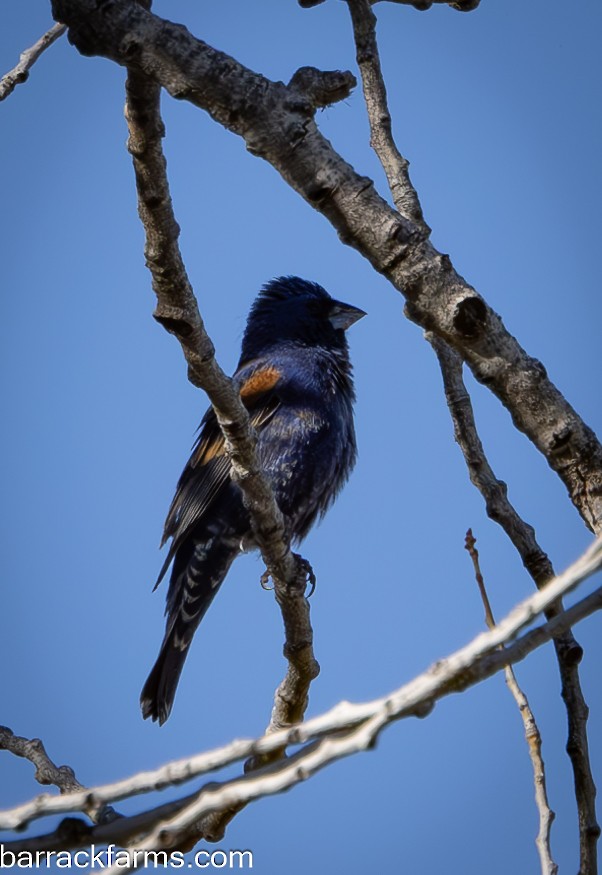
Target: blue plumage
[(295, 379)]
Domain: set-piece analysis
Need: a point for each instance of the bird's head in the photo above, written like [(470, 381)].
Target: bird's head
[(292, 310)]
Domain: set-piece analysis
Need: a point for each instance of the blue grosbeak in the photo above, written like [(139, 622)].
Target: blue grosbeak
[(295, 379)]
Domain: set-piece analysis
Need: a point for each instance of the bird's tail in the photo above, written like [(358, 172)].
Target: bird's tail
[(198, 571)]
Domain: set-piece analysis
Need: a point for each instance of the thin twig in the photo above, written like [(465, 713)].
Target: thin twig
[(47, 772), (480, 659), (537, 563), (494, 491), (27, 59), (396, 167), (532, 733)]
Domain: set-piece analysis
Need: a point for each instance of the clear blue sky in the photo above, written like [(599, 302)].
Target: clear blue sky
[(498, 112)]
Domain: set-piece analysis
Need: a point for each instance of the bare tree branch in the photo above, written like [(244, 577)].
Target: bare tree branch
[(277, 123), (177, 310), (532, 733), (178, 816), (340, 732), (175, 832), (396, 167), (27, 59), (494, 491), (522, 535), (498, 507), (47, 772)]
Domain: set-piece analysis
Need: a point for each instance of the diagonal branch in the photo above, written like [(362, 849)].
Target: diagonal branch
[(494, 491), (498, 507), (277, 123), (177, 310), (394, 164), (522, 535), (344, 730), (20, 73), (414, 699)]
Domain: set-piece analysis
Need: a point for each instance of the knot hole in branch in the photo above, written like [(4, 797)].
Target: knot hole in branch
[(470, 317)]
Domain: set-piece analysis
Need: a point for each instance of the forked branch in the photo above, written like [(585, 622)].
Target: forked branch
[(345, 730)]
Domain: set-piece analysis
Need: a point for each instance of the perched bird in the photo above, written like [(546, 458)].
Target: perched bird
[(295, 380)]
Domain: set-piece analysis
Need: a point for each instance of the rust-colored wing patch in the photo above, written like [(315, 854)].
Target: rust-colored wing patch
[(260, 382), (208, 470), (253, 390), (209, 449)]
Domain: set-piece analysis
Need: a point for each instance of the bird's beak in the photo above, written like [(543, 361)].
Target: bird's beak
[(344, 315)]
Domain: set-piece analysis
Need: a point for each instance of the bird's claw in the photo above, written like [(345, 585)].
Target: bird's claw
[(304, 568), (264, 580)]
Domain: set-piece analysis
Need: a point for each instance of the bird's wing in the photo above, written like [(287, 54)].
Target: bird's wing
[(208, 470)]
